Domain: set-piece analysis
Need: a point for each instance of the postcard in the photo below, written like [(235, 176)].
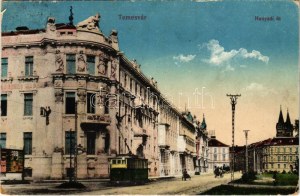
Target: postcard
[(149, 97)]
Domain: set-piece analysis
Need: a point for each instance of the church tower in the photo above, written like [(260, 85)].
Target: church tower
[(284, 129), (280, 128), (288, 126)]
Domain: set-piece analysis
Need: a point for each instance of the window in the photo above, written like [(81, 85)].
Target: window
[(215, 157), (91, 142), (91, 64), (70, 103), (136, 87), (125, 80), (224, 157), (28, 99), (90, 103), (291, 158), (28, 143), (278, 166), (71, 66), (278, 158), (284, 150), (215, 150), (223, 150), (3, 105), (2, 140), (130, 85), (69, 142), (106, 105), (290, 149), (4, 64), (29, 66), (284, 158), (284, 166), (27, 172)]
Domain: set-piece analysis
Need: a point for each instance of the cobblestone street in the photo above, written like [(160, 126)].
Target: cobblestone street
[(197, 185)]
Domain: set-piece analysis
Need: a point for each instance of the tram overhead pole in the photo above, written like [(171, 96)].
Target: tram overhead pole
[(233, 101)]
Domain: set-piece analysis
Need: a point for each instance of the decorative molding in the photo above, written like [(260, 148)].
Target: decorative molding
[(5, 79), (28, 118), (59, 94), (90, 24), (81, 63), (81, 95), (34, 92), (114, 67), (59, 62), (28, 78)]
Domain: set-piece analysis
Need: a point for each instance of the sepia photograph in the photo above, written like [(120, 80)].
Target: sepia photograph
[(145, 97)]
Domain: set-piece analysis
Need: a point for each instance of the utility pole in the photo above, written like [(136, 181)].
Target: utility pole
[(75, 145), (246, 136), (233, 99), (70, 149)]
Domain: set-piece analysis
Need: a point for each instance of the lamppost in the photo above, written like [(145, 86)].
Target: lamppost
[(246, 136), (233, 99)]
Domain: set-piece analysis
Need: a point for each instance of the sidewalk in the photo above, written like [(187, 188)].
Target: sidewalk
[(259, 186)]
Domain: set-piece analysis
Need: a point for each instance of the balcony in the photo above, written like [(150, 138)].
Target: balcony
[(95, 122)]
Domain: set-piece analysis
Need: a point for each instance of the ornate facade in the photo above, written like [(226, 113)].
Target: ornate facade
[(69, 87)]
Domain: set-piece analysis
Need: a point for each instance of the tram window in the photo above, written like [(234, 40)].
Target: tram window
[(135, 164), (113, 161), (123, 162), (119, 161)]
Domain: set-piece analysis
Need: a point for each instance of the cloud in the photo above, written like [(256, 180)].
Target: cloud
[(256, 88), (184, 59), (220, 57), (254, 54)]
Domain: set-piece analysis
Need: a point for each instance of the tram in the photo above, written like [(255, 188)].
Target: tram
[(128, 169)]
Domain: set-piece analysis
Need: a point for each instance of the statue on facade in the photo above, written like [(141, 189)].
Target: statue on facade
[(92, 23), (114, 65), (81, 63), (81, 95), (59, 62), (102, 67), (59, 95)]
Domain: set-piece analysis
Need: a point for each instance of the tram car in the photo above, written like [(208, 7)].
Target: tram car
[(128, 169)]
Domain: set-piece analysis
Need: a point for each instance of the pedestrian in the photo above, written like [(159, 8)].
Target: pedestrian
[(184, 174)]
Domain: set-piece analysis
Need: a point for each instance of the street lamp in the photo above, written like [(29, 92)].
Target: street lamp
[(246, 136)]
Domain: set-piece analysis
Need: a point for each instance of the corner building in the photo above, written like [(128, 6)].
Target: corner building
[(69, 86)]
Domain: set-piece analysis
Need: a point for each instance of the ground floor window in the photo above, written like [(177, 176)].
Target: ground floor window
[(27, 142), (91, 142), (70, 142), (27, 172), (2, 140), (70, 172)]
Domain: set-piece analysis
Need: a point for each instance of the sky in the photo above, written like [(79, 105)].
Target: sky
[(199, 52)]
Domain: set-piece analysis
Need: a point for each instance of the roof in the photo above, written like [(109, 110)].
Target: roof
[(284, 141), (23, 32), (216, 143)]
